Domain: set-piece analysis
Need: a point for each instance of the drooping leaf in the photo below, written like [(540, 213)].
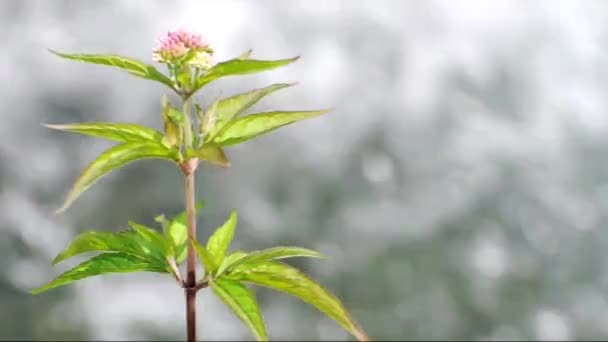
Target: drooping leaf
[(205, 257), (153, 240), (229, 260), (103, 264), (212, 153), (231, 107), (172, 119), (218, 243), (177, 233), (132, 66), (123, 132), (92, 241), (113, 158), (276, 253), (243, 303), (251, 126), (287, 279), (239, 66)]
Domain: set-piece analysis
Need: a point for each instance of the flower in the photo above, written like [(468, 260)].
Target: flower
[(174, 45)]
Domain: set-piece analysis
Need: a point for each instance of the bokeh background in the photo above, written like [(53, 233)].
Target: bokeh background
[(459, 187)]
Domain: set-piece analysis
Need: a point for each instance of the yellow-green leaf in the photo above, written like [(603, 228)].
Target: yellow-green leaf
[(131, 65), (153, 240), (251, 126), (103, 264), (231, 107), (239, 66), (172, 119), (243, 303), (123, 132), (177, 233), (229, 260), (287, 279), (124, 241), (212, 153), (218, 243), (205, 257), (113, 158), (208, 118), (275, 253)]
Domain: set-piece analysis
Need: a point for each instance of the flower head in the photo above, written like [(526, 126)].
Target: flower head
[(175, 45)]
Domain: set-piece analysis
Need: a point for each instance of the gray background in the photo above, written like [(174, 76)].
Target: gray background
[(459, 187)]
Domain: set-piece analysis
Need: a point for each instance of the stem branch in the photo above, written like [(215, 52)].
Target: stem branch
[(187, 123)]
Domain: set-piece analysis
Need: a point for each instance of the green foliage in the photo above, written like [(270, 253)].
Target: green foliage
[(103, 264), (128, 242), (251, 126), (211, 153), (176, 233), (238, 66), (122, 132), (229, 108), (138, 249), (205, 257), (275, 253), (173, 125), (243, 303), (207, 119), (284, 278), (113, 158), (261, 268), (132, 66), (218, 243), (153, 240), (222, 124), (229, 260)]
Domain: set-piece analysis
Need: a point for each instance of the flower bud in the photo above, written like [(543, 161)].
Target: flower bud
[(175, 45)]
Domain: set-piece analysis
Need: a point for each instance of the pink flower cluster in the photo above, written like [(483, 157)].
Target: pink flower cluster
[(176, 44)]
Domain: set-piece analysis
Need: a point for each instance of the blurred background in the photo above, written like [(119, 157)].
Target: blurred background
[(459, 187)]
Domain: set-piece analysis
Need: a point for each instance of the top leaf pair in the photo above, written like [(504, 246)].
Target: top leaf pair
[(189, 62)]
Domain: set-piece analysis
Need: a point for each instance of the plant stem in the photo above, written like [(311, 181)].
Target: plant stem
[(187, 123), (189, 169)]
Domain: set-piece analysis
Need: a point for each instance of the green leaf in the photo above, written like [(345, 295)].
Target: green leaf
[(231, 107), (132, 66), (284, 278), (229, 260), (124, 241), (276, 253), (111, 159), (253, 125), (177, 233), (103, 264), (123, 132), (208, 118), (212, 153), (152, 240), (205, 257), (172, 119), (220, 240), (243, 303), (239, 66)]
